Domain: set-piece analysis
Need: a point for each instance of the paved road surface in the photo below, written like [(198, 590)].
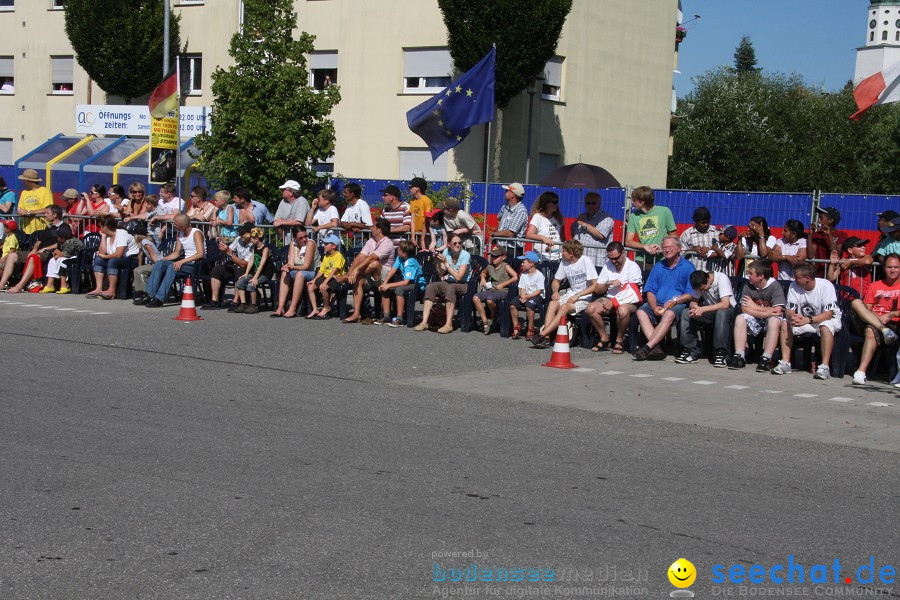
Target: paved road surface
[(248, 457)]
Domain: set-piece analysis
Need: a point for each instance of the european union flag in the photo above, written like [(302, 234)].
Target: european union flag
[(445, 120)]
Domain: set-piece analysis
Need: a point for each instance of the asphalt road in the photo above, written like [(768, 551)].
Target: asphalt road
[(248, 457)]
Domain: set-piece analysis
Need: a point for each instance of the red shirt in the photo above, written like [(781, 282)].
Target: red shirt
[(883, 298)]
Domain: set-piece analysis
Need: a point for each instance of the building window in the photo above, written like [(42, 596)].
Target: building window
[(192, 74), (7, 75), (426, 70), (323, 69), (547, 163), (417, 161), (7, 5), (897, 36), (552, 87), (61, 74), (324, 168), (6, 151), (871, 36), (57, 4), (884, 36)]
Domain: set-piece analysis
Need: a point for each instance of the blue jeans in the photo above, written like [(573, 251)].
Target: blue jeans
[(163, 276), (111, 266)]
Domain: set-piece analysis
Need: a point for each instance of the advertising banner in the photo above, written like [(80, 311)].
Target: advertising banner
[(101, 119), (163, 146)]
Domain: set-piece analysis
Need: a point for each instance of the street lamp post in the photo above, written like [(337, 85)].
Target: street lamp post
[(532, 88)]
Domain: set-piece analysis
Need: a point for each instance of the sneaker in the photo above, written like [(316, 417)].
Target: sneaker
[(642, 353), (720, 360), (824, 372), (139, 300), (686, 358), (764, 365), (540, 341), (64, 291), (782, 368), (251, 310), (379, 321), (154, 303), (238, 309), (48, 289), (737, 362), (423, 326), (211, 305), (34, 287), (397, 322), (657, 353), (859, 378), (889, 336)]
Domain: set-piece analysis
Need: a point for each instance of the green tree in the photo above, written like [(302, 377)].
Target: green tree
[(119, 43), (526, 34), (745, 56), (268, 124), (776, 133)]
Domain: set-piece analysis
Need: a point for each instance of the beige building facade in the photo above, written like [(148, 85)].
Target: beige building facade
[(605, 98)]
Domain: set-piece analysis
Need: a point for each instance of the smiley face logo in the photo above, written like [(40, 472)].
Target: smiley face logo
[(682, 573)]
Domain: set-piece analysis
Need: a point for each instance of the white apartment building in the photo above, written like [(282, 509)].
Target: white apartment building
[(606, 97)]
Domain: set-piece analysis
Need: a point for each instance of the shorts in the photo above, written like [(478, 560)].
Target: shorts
[(531, 303), (859, 328), (580, 304), (492, 295), (833, 325), (446, 289), (677, 309), (333, 285), (755, 325), (244, 283), (307, 275), (399, 291), (371, 282)]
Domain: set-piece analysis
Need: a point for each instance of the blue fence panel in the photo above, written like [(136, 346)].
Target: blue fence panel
[(736, 208), (858, 210), (8, 173)]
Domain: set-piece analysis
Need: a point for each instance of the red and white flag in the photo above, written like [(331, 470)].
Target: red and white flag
[(881, 88)]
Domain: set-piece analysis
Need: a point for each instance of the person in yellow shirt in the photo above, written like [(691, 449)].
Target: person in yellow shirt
[(419, 204), (34, 202), (333, 264), (10, 241)]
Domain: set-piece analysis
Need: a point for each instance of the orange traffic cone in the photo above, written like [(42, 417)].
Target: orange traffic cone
[(188, 310), (561, 358)]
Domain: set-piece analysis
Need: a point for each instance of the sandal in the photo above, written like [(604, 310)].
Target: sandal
[(515, 332), (600, 346), (618, 348)]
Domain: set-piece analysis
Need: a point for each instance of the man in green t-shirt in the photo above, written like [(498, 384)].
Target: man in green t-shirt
[(648, 224)]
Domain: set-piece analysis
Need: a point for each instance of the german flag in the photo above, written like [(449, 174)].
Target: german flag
[(164, 98)]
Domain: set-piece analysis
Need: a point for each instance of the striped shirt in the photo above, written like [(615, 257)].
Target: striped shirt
[(398, 216)]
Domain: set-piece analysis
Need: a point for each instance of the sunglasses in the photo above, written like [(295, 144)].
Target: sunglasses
[(553, 202), (591, 203)]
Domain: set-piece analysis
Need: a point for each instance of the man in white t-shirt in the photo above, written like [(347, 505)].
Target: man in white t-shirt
[(357, 216), (711, 303), (618, 272), (581, 274), (170, 206), (812, 307)]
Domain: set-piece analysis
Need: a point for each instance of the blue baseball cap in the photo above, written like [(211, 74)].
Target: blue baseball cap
[(332, 239), (532, 256)]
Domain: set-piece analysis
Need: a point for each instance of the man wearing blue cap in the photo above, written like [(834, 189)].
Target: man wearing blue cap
[(333, 264)]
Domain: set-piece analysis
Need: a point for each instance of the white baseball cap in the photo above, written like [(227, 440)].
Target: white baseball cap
[(516, 188), (289, 184)]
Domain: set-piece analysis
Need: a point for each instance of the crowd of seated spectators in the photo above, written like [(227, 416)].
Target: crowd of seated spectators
[(722, 290)]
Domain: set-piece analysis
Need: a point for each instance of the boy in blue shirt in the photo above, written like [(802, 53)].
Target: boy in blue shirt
[(412, 277)]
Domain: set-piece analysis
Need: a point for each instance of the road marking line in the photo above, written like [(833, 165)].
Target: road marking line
[(578, 370), (106, 313), (612, 372), (82, 311), (879, 404), (641, 375), (805, 395), (673, 378), (65, 309), (14, 302), (704, 382), (47, 307), (840, 399), (735, 387), (772, 392)]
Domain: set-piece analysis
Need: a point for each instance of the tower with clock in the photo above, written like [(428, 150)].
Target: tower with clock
[(882, 47)]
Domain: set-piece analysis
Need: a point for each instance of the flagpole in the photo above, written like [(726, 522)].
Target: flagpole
[(178, 133), (165, 37), (487, 179)]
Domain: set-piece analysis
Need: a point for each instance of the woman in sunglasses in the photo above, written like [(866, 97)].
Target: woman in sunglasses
[(546, 226)]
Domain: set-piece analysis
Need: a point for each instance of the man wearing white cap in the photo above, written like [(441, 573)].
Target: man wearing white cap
[(512, 219), (293, 207), (34, 201)]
